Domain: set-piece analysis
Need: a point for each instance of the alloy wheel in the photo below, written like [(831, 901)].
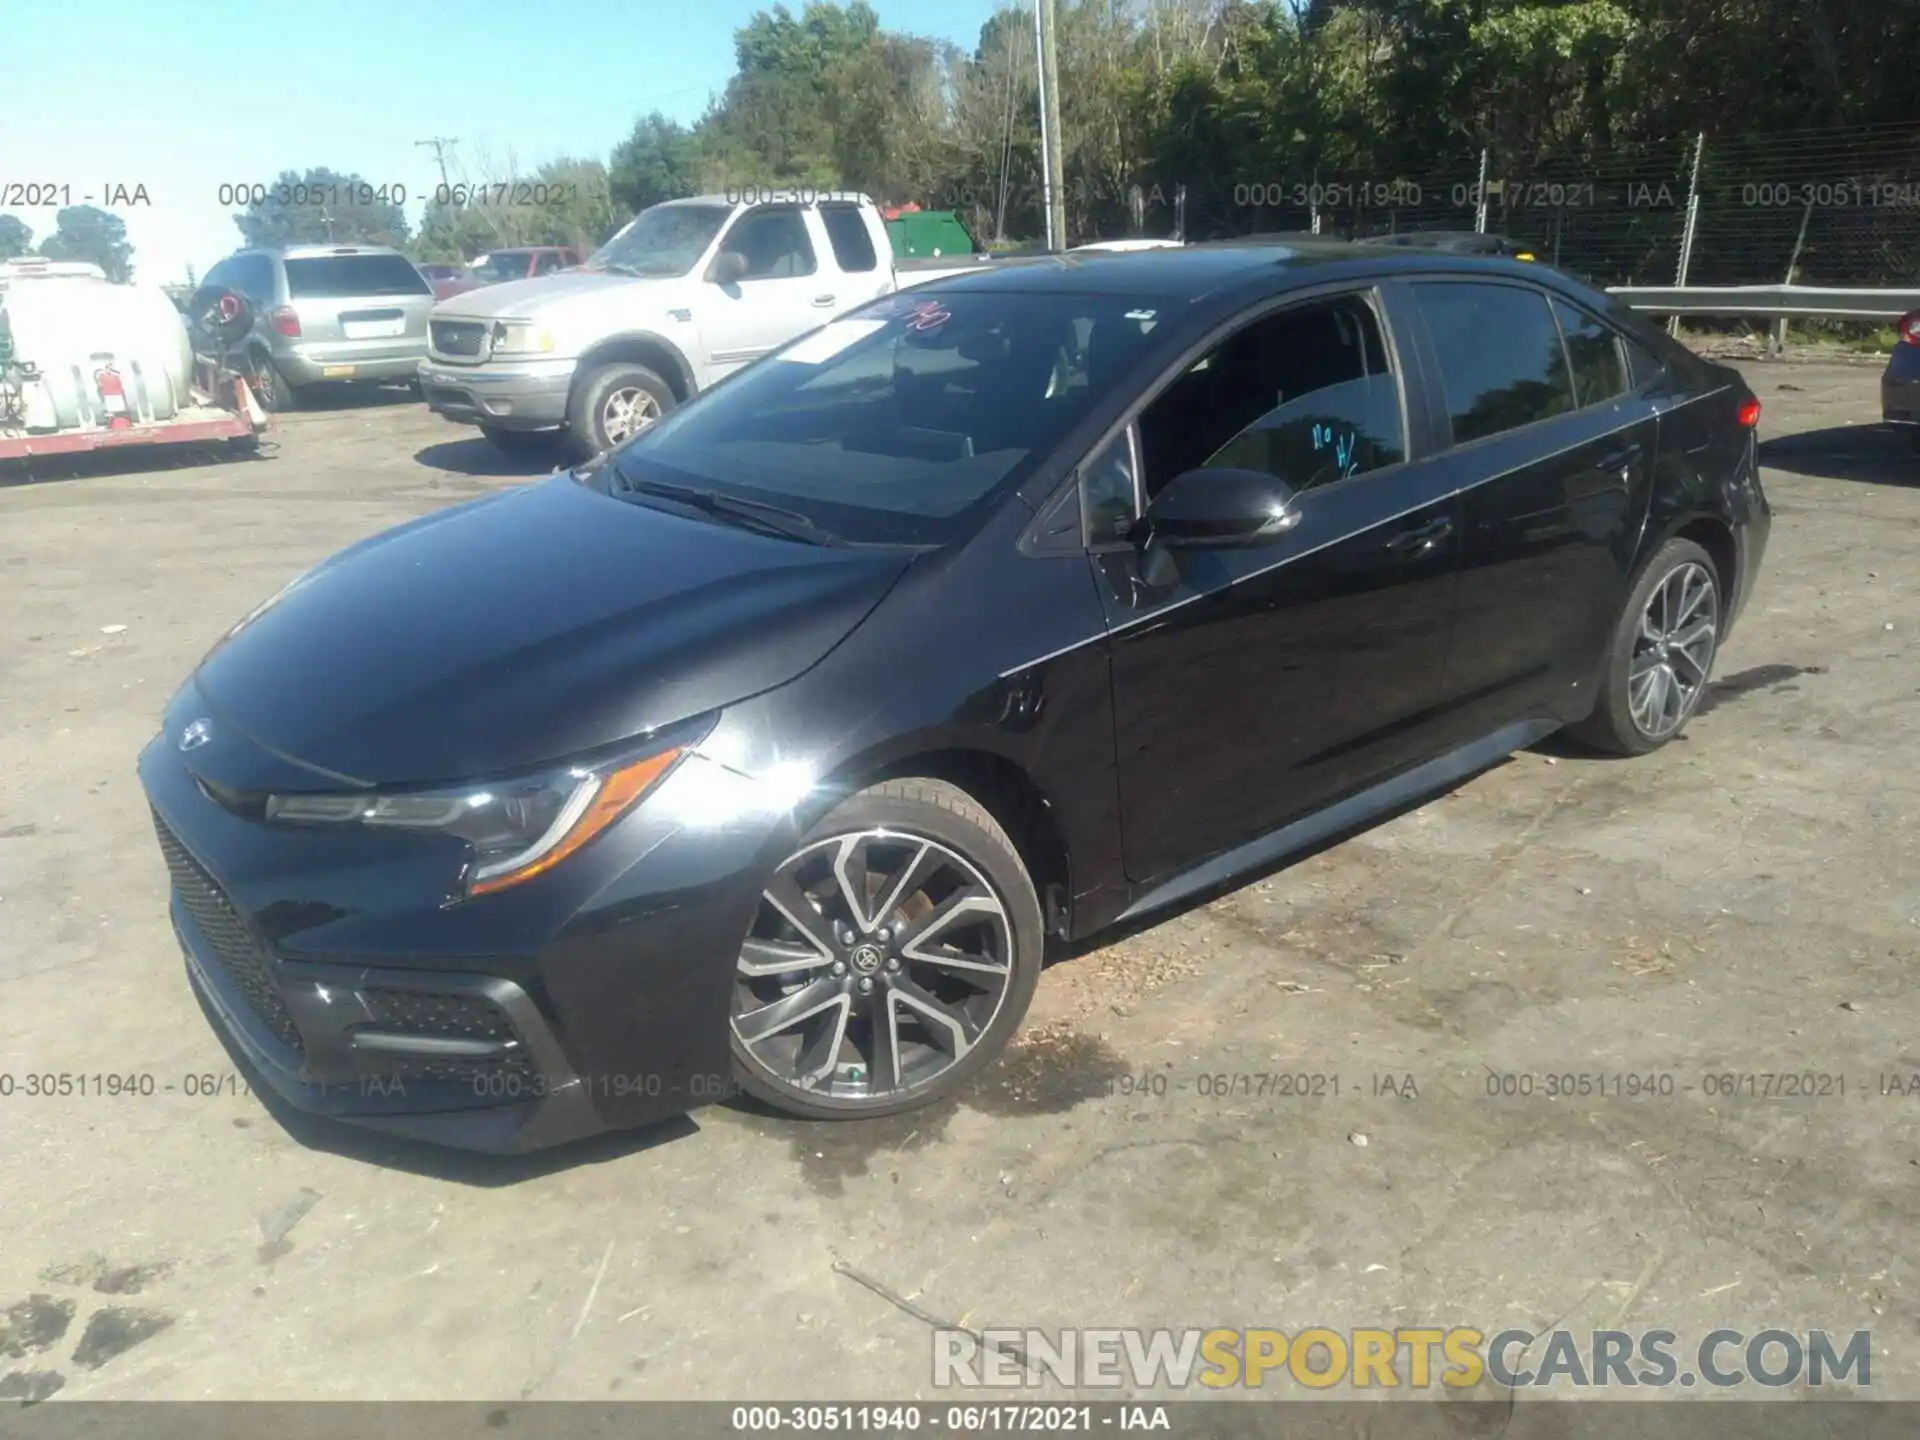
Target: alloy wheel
[(1673, 650), (626, 412), (265, 383), (877, 960)]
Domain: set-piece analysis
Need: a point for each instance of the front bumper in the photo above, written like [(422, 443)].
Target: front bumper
[(526, 396), (1900, 386), (593, 998)]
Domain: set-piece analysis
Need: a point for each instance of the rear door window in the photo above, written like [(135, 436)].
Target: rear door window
[(1502, 365), (1594, 355), (344, 277), (252, 276), (852, 244)]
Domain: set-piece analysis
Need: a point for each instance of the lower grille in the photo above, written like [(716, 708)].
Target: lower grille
[(504, 1077), (233, 945), (460, 1017), (427, 1012)]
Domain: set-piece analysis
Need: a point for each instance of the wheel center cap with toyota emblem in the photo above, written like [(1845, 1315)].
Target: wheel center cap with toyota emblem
[(196, 733), (867, 958)]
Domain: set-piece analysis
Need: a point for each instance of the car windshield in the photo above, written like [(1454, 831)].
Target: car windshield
[(903, 422), (501, 265), (662, 240)]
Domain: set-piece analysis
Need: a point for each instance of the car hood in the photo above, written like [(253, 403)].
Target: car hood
[(525, 627), (540, 297)]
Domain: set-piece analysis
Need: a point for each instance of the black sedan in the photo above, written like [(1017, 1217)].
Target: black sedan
[(771, 752), (1900, 381)]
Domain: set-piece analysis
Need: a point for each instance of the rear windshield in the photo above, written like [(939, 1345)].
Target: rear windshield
[(330, 277)]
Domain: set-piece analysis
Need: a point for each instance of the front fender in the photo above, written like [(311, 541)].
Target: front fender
[(635, 344)]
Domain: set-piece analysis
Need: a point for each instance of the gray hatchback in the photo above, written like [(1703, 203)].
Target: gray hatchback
[(351, 313)]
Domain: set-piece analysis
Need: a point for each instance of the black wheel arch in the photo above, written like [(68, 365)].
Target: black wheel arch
[(1002, 786), (1709, 529), (641, 347)]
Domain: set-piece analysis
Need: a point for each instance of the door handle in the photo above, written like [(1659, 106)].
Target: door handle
[(823, 300), (1421, 538), (1619, 459)]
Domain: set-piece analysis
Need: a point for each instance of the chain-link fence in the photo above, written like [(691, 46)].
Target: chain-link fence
[(1817, 207)]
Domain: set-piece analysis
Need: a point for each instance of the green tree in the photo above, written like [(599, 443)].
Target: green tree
[(15, 237), (321, 206), (659, 161), (88, 233)]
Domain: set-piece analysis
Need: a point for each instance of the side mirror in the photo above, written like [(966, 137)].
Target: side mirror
[(1211, 509), (729, 267)]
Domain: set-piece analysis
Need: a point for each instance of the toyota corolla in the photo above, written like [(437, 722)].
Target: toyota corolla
[(772, 751)]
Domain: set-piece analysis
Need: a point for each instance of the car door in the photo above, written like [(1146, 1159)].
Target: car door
[(1553, 453), (786, 291), (1266, 681)]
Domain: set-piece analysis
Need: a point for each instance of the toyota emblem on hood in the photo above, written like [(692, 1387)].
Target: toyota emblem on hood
[(196, 734)]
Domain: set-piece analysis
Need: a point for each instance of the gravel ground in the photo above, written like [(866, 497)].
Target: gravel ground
[(1741, 903)]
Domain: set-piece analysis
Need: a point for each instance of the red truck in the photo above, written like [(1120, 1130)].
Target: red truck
[(522, 262)]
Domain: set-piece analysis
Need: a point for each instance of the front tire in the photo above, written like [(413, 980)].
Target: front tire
[(612, 405), (892, 956), (1661, 654)]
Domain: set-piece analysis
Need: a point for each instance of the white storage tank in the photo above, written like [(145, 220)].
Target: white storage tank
[(70, 322)]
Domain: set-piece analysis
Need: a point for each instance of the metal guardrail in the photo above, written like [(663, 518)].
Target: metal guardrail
[(1769, 302)]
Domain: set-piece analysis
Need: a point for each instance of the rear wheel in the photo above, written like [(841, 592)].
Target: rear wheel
[(269, 386), (893, 954), (612, 405), (1660, 656)]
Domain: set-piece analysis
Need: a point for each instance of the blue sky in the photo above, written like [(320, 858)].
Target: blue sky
[(97, 98)]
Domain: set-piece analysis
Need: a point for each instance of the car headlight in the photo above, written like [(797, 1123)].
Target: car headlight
[(517, 828), (520, 337)]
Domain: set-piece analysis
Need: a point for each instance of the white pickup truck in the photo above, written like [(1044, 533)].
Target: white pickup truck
[(687, 293)]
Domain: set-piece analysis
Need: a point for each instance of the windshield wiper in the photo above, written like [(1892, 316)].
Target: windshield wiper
[(752, 514)]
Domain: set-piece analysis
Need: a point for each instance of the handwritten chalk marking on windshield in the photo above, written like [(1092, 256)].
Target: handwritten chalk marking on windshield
[(929, 316)]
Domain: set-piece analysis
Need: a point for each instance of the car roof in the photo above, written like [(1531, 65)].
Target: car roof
[(1195, 272), (316, 252), (784, 195)]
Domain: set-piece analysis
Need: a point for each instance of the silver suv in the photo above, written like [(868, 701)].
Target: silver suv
[(328, 312)]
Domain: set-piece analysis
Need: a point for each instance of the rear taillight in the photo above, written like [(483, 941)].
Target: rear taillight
[(1909, 327), (1750, 413), (286, 322)]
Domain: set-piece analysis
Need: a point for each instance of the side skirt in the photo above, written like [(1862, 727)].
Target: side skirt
[(1348, 814)]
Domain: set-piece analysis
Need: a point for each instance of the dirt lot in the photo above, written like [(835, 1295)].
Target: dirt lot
[(1742, 903)]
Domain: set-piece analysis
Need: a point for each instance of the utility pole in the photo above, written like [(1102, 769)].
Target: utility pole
[(1686, 233), (438, 144), (1053, 178)]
